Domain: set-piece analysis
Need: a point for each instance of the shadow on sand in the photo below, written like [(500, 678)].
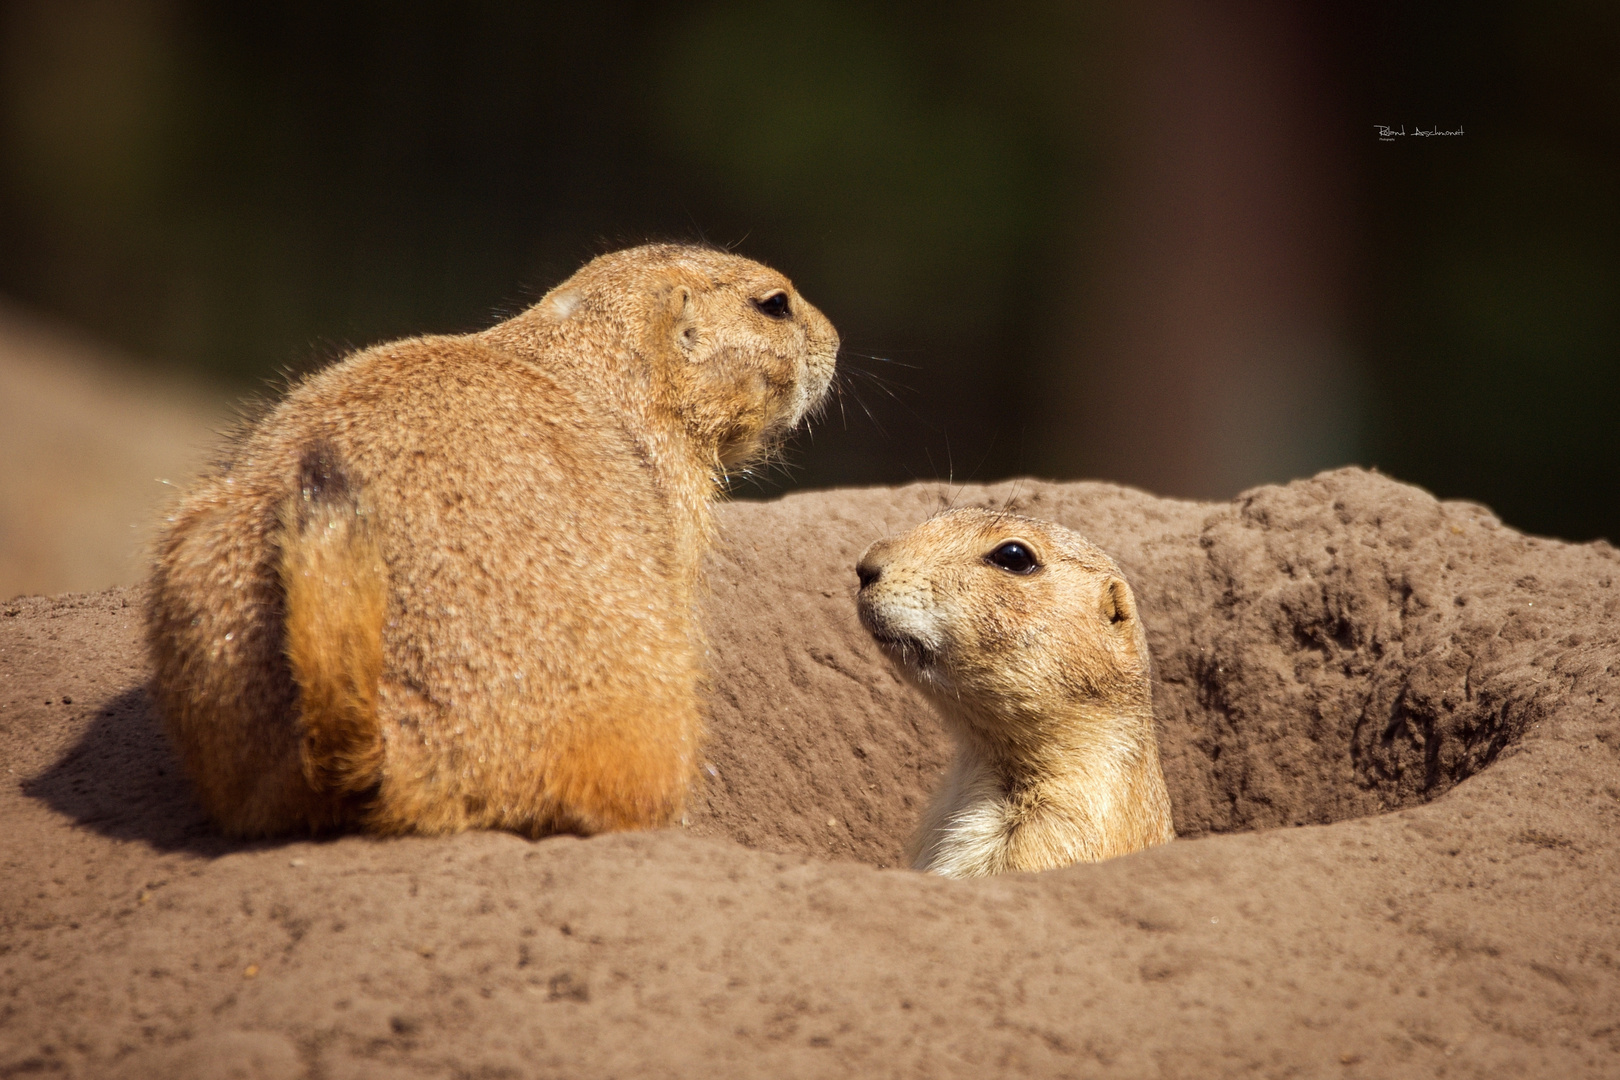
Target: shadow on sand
[(121, 780)]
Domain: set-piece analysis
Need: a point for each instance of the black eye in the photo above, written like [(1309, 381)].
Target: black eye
[(1014, 558), (774, 305)]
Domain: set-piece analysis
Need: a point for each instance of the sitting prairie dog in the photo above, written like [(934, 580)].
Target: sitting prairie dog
[(451, 582), (1026, 638)]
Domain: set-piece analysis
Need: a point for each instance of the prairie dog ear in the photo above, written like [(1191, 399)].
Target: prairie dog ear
[(683, 315), (1118, 605)]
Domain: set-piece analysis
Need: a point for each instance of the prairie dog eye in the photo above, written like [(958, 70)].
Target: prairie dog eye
[(774, 305), (1014, 558)]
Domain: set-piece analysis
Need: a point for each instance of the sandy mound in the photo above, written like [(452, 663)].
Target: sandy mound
[(1425, 692)]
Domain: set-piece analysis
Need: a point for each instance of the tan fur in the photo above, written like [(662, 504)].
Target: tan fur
[(451, 582), (1044, 682), (335, 589)]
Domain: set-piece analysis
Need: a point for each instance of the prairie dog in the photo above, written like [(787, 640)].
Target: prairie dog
[(1026, 637), (451, 582)]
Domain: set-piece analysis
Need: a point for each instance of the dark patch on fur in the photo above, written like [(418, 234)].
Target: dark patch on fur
[(322, 480)]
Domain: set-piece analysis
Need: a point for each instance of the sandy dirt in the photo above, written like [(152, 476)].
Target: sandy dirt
[(1390, 733)]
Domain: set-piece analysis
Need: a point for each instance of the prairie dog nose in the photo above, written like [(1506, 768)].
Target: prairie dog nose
[(870, 565), (868, 572)]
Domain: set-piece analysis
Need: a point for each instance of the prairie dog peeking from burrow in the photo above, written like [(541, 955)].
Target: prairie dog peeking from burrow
[(451, 582), (1026, 638)]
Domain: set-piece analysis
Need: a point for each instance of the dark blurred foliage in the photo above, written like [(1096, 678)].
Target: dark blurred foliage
[(244, 188)]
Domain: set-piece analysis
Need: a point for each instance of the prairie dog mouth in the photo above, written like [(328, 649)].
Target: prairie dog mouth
[(906, 648), (815, 386)]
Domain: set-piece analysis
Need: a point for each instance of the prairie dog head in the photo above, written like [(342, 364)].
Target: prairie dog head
[(727, 344), (1009, 623)]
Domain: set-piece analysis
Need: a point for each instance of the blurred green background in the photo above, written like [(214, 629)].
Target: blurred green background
[(1155, 243)]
